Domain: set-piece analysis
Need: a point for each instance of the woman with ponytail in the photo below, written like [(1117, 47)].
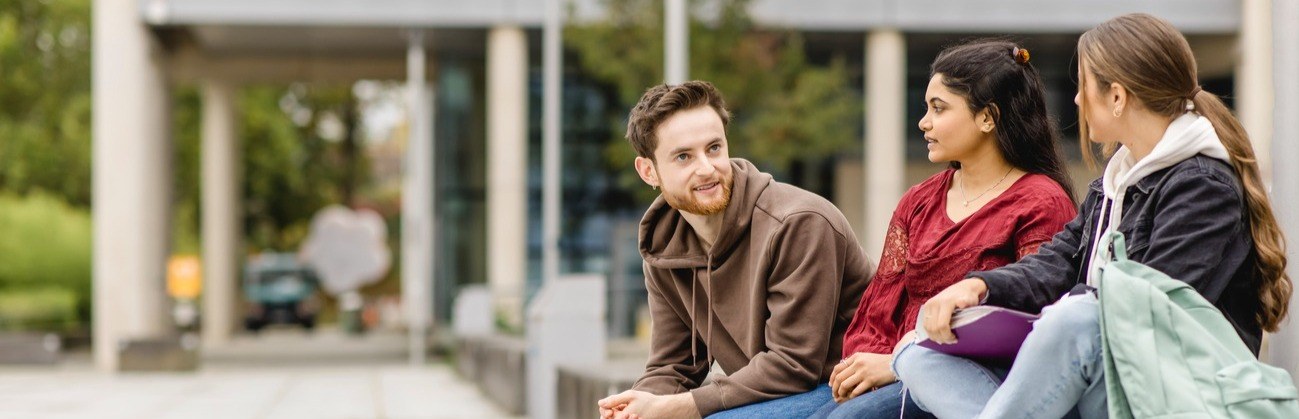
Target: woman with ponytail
[(1183, 180)]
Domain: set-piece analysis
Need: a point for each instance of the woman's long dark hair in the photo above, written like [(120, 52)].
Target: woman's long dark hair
[(996, 75)]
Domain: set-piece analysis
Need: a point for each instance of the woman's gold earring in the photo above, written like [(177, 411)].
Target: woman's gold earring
[(656, 187), (1117, 112)]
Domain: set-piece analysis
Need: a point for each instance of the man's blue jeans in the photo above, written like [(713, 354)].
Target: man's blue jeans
[(1058, 368), (795, 406), (884, 403)]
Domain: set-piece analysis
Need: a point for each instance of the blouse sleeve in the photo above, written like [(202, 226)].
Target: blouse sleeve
[(894, 256), (872, 328), (1041, 222), (1038, 279)]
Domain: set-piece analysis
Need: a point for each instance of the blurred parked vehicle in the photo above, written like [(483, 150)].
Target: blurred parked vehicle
[(280, 290)]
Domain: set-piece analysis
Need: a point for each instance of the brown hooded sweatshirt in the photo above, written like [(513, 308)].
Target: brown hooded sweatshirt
[(770, 303)]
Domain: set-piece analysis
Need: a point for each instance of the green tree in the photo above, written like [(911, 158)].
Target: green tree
[(187, 114), (786, 110), (45, 98), (292, 167)]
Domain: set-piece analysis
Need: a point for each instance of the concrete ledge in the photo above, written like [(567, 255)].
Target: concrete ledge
[(159, 354), (29, 348), (580, 386), (497, 365)]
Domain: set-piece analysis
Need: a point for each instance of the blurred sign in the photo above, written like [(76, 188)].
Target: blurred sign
[(348, 249), (184, 277)]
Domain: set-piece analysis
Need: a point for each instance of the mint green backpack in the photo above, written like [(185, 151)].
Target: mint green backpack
[(1169, 353)]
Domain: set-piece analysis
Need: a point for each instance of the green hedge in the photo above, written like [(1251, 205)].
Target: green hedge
[(45, 262), (49, 309)]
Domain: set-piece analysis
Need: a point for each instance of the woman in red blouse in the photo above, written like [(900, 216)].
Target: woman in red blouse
[(1005, 193)]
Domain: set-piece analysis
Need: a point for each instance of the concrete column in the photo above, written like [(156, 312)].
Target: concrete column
[(885, 159), (1254, 93), (507, 169), (552, 58), (131, 179), (676, 41), (417, 239), (1283, 347), (222, 213), (540, 391), (849, 196)]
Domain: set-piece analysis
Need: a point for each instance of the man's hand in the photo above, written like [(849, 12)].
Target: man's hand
[(632, 404), (859, 373), (937, 312), (608, 406)]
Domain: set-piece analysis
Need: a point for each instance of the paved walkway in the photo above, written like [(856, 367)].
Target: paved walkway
[(282, 374)]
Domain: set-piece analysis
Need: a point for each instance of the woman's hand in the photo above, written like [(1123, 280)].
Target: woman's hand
[(907, 338), (937, 312), (859, 373)]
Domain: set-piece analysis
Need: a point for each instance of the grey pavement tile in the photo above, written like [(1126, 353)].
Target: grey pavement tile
[(327, 395), (392, 391), (428, 392), (275, 375)]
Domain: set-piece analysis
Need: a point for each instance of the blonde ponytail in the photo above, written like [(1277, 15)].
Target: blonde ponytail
[(1275, 287)]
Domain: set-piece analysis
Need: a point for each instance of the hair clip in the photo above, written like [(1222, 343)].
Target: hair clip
[(1020, 55)]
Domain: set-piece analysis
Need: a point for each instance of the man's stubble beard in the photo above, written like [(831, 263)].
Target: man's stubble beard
[(688, 203)]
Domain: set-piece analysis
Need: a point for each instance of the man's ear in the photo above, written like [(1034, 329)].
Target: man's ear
[(645, 168)]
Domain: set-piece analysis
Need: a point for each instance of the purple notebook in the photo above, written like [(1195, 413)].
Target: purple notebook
[(984, 332)]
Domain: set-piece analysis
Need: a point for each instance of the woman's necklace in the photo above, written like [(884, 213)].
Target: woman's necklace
[(961, 184)]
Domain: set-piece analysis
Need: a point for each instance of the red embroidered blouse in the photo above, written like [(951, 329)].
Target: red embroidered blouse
[(925, 251)]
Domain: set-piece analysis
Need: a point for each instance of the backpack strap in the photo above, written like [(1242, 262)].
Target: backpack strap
[(1120, 246)]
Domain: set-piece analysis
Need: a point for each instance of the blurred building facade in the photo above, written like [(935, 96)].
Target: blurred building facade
[(474, 169)]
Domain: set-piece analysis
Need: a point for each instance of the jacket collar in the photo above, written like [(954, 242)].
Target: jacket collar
[(1145, 185)]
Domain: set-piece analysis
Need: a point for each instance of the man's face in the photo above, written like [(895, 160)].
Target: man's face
[(691, 163)]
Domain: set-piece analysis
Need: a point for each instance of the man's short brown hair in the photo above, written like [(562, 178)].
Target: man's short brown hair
[(662, 101)]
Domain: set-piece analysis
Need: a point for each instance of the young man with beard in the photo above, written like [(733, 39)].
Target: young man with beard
[(760, 276)]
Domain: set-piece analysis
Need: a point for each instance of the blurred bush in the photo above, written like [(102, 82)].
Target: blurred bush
[(44, 262), (42, 309)]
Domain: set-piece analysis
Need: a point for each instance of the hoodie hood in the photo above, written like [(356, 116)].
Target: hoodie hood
[(667, 240), (1187, 136)]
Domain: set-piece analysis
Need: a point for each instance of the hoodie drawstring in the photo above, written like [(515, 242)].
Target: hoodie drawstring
[(1100, 251), (708, 305), (694, 309)]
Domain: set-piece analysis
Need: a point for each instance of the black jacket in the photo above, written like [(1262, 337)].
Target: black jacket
[(1188, 221)]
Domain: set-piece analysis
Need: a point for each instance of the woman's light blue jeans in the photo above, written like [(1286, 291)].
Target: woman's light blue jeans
[(1058, 369)]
